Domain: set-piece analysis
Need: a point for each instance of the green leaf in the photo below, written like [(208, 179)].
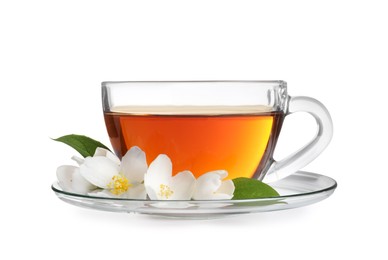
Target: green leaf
[(86, 146), (246, 188)]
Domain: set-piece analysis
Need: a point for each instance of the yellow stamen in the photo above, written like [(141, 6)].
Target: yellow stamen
[(119, 185), (165, 191)]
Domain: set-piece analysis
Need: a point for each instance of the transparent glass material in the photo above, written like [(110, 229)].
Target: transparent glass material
[(210, 97), (299, 189), (247, 153)]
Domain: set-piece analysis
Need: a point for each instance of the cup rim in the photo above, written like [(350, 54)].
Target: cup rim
[(280, 82)]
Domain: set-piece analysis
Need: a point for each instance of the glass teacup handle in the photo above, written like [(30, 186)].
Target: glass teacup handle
[(302, 157)]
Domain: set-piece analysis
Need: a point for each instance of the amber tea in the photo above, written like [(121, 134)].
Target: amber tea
[(240, 142)]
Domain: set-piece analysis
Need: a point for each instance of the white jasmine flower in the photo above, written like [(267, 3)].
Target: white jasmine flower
[(161, 185), (70, 179), (121, 180), (210, 186), (103, 175)]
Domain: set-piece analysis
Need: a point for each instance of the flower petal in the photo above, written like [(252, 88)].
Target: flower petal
[(222, 173), (159, 172), (150, 190), (227, 189), (78, 160), (65, 176), (99, 170), (136, 192), (106, 153), (80, 184), (105, 194), (134, 165), (182, 185), (207, 184)]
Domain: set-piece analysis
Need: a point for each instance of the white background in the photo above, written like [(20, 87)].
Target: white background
[(54, 54)]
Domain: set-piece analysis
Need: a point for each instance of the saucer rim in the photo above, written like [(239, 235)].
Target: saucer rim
[(56, 188)]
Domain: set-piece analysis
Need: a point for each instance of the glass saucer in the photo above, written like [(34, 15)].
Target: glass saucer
[(297, 190)]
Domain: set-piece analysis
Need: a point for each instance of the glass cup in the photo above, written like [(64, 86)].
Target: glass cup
[(211, 125)]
